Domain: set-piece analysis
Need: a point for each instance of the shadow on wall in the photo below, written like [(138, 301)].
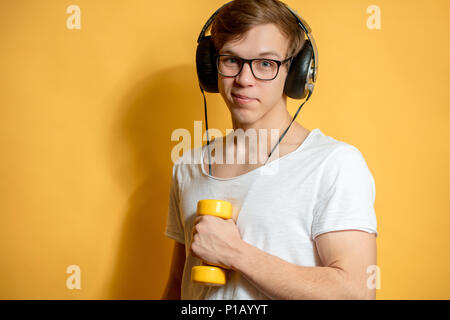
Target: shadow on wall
[(152, 109)]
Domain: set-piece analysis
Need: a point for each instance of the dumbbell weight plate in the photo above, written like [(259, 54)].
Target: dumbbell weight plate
[(214, 207), (208, 275)]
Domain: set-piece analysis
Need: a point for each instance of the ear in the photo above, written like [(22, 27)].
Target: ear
[(206, 67), (295, 85)]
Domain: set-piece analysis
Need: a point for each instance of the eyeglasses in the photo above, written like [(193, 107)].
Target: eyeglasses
[(262, 69)]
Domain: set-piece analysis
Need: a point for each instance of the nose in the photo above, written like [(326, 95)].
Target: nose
[(246, 76)]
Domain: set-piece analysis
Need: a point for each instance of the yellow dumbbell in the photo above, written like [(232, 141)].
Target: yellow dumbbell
[(208, 274)]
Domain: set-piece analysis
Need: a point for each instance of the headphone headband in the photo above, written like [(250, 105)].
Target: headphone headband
[(308, 31), (301, 22)]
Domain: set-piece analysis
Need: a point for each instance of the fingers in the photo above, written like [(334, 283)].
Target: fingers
[(193, 253), (194, 228), (198, 219), (194, 231), (190, 246)]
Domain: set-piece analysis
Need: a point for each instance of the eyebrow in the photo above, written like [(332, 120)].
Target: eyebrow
[(261, 54)]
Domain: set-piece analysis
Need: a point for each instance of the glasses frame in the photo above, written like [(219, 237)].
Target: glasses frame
[(249, 61)]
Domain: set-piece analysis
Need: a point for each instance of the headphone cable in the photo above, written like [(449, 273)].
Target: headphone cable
[(295, 116), (207, 133)]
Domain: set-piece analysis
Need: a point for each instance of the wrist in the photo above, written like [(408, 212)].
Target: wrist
[(240, 256)]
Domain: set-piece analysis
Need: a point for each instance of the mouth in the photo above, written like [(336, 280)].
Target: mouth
[(240, 99)]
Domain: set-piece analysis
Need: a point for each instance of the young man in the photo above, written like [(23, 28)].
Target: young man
[(306, 232)]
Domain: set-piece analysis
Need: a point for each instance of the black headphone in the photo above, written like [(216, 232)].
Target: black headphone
[(302, 72)]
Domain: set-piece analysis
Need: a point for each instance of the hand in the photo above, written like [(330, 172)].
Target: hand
[(215, 240)]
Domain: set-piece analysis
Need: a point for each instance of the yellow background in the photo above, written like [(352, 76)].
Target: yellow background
[(86, 118)]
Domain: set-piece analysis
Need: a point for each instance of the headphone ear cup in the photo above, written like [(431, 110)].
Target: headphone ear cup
[(206, 66), (296, 80)]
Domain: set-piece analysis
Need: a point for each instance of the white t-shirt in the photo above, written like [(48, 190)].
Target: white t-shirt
[(324, 185)]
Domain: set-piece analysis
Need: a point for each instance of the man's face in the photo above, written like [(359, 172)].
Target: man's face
[(265, 94)]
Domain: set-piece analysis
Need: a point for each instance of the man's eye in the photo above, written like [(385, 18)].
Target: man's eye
[(231, 60), (266, 63)]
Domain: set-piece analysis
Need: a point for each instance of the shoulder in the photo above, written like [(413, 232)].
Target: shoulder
[(345, 160), (323, 147), (345, 172), (337, 157)]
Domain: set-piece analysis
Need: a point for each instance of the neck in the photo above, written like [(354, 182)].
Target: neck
[(268, 129)]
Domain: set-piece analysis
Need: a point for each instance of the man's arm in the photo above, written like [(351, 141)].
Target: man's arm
[(344, 254), (345, 257), (173, 286)]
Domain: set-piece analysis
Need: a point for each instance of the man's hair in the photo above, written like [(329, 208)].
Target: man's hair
[(239, 16)]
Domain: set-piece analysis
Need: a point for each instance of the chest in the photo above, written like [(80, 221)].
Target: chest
[(268, 210)]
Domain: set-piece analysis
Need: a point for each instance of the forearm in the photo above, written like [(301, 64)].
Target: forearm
[(279, 279)]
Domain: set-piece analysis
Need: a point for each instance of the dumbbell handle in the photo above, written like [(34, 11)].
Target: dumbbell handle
[(206, 273)]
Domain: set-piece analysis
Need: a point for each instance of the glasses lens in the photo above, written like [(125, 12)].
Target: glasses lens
[(229, 66), (264, 69)]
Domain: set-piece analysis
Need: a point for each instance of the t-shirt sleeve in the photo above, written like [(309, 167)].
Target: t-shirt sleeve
[(346, 194), (174, 225)]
